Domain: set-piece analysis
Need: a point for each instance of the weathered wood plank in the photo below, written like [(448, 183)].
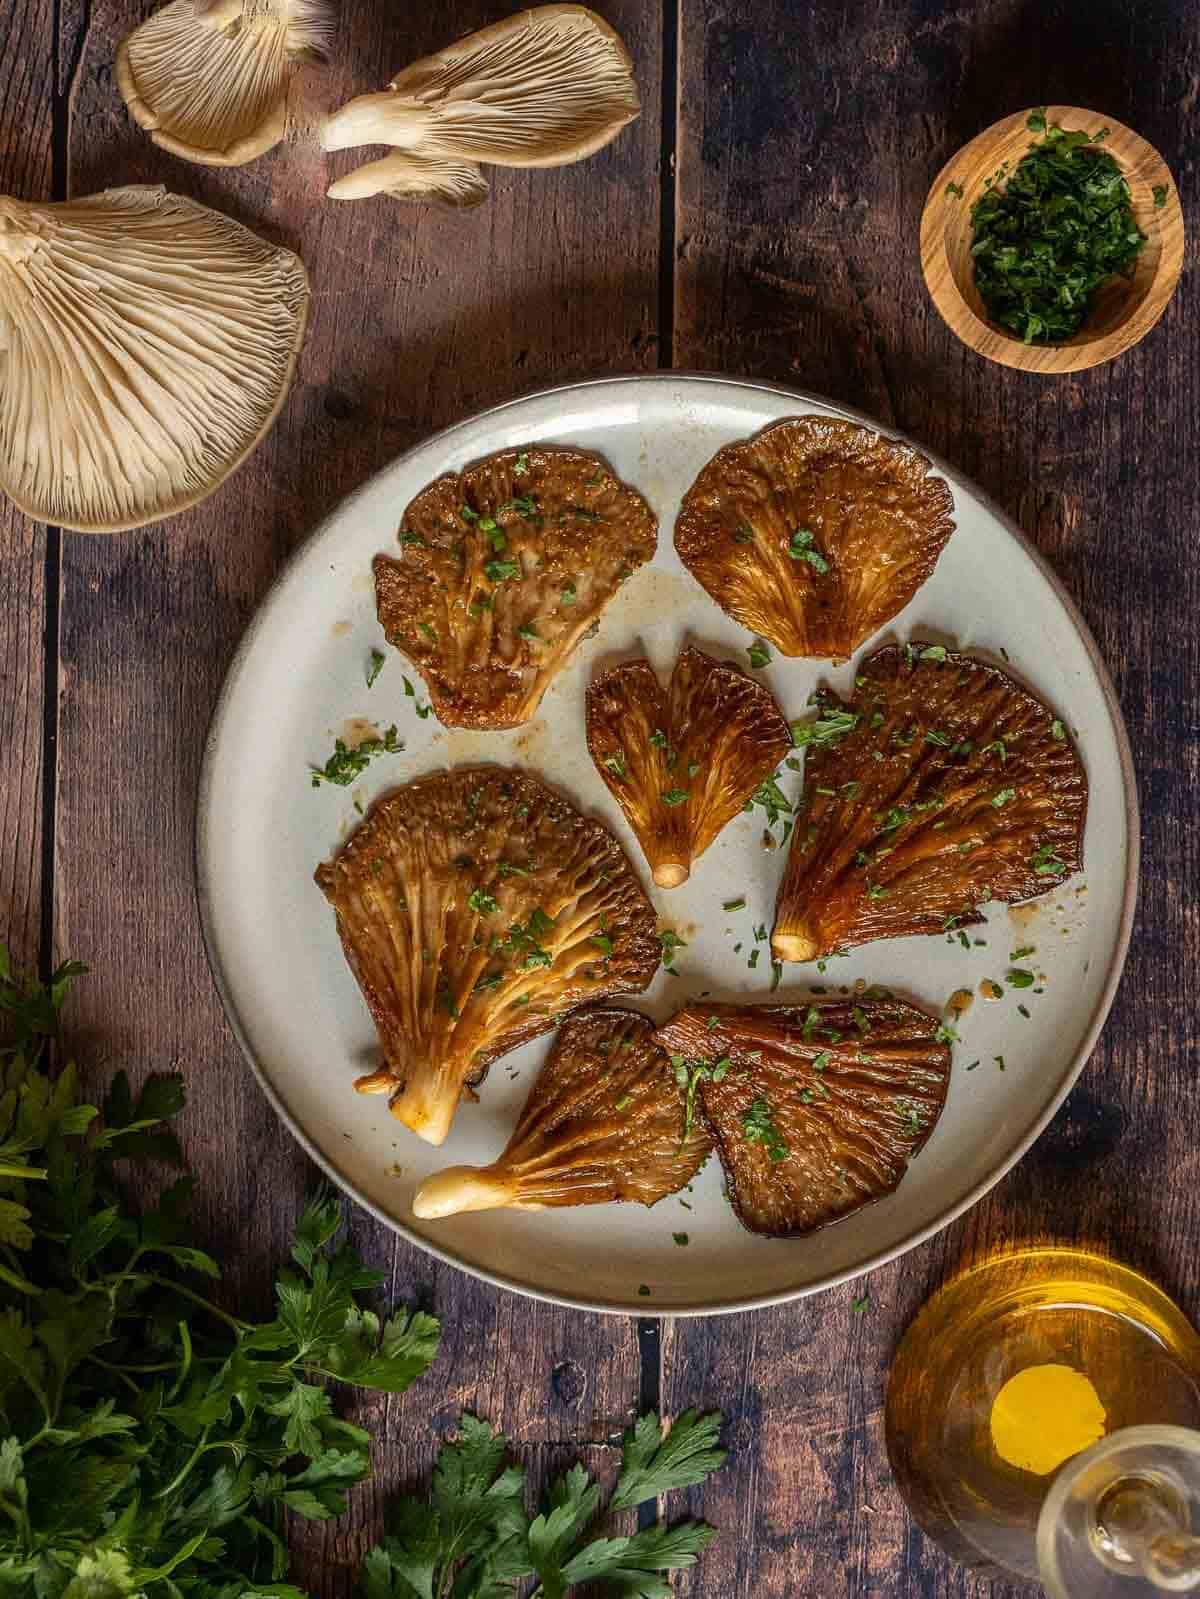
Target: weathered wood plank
[(807, 143), (26, 134), (419, 317)]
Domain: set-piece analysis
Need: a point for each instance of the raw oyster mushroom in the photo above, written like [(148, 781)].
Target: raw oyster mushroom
[(209, 80), (605, 1120), (146, 346), (476, 908), (539, 89)]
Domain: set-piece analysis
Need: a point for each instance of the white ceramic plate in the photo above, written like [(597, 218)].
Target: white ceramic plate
[(262, 829)]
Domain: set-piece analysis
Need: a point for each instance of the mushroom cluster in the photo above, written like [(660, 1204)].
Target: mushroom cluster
[(538, 89)]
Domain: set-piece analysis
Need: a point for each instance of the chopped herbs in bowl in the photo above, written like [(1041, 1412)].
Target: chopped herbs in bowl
[(1048, 234)]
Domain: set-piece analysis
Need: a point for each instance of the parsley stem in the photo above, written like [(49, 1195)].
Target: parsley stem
[(196, 1299), (191, 1460)]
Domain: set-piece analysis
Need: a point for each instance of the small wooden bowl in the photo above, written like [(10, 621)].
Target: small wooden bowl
[(1123, 310)]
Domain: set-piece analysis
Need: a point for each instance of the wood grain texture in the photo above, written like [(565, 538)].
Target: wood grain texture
[(808, 141), (26, 136), (419, 317)]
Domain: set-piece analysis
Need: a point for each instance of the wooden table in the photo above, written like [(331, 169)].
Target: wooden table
[(760, 219)]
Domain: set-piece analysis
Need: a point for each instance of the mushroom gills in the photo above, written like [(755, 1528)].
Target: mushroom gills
[(476, 908), (816, 1110), (814, 533), (541, 88), (607, 1119), (147, 345), (941, 786), (211, 83), (683, 764), (502, 569)]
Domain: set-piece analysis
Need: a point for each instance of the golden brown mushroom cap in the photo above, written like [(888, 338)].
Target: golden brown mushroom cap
[(502, 570), (146, 346), (604, 1121), (210, 81), (816, 1110), (476, 908), (814, 533), (684, 764), (941, 786)]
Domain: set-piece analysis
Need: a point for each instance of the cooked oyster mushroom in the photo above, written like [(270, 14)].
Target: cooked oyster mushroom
[(537, 89), (476, 908), (209, 79), (604, 1121), (683, 764), (942, 785), (146, 345), (816, 1110), (503, 568), (815, 532)]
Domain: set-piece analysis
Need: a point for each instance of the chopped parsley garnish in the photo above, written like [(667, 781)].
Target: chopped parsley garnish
[(933, 652), (954, 191), (1045, 862), (1002, 796), (674, 796), (568, 595), (827, 728), (753, 961), (681, 1239), (1018, 977), (483, 903), (481, 603), (821, 1061), (623, 1102), (670, 942), (616, 763), (501, 571), (760, 654), (760, 1129), (772, 799), (802, 548), (860, 1305), (603, 943), (659, 739), (743, 534), (999, 746), (427, 632), (521, 465), (999, 1059), (946, 1034), (1159, 192), (345, 764), (375, 666), (734, 904), (776, 974), (528, 631), (1020, 954), (408, 537), (1045, 239), (877, 891), (1057, 730)]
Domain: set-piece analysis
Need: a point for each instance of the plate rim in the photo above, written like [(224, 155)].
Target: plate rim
[(737, 1305)]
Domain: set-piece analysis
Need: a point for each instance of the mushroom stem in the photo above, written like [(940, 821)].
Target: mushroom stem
[(669, 874), (794, 946), (460, 1188)]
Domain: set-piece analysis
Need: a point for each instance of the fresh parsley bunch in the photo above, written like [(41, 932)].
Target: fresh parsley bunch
[(150, 1442), (472, 1538)]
